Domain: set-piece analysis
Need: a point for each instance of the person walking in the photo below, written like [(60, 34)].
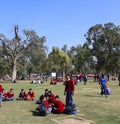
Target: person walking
[(103, 85), (69, 90)]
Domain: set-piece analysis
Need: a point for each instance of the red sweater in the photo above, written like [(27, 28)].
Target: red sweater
[(10, 94), (31, 95), (46, 103), (59, 106), (0, 88), (52, 98), (69, 85), (4, 95)]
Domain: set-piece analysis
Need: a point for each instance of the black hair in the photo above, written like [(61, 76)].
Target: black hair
[(46, 89), (57, 97), (102, 75), (50, 91), (42, 97)]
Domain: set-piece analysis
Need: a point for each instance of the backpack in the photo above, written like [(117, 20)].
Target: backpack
[(68, 109), (42, 110), (108, 90)]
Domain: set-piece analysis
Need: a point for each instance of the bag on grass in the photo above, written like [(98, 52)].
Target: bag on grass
[(68, 109), (108, 90), (42, 110)]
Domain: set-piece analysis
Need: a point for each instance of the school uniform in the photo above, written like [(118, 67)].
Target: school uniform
[(30, 96), (10, 96), (58, 107), (51, 98), (69, 90), (22, 96), (4, 95)]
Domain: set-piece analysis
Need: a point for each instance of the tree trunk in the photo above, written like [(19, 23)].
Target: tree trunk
[(14, 71), (64, 74)]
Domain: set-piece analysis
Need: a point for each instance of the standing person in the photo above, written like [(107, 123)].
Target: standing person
[(69, 90), (108, 77), (0, 95), (102, 83), (119, 79), (85, 79)]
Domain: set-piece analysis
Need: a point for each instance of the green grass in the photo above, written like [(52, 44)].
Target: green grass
[(91, 105)]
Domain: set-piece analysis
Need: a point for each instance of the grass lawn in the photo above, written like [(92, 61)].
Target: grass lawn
[(93, 108)]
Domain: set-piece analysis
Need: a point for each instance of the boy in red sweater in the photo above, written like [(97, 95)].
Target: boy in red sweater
[(51, 97), (69, 90), (10, 95), (58, 106), (30, 95)]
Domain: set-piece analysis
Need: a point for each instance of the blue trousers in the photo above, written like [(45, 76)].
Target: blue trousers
[(69, 99), (103, 90), (0, 98)]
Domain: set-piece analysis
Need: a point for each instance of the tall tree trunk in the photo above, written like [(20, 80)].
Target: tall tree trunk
[(63, 73), (14, 71)]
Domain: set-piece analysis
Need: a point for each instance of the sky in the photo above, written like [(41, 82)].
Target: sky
[(60, 21)]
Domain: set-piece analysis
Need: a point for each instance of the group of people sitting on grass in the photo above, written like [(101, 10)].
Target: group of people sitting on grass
[(53, 81), (26, 96), (9, 96), (36, 81), (50, 103)]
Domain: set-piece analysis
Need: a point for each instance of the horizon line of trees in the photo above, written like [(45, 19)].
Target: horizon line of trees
[(24, 56)]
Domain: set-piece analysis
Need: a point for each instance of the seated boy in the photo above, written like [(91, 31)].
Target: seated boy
[(22, 95), (10, 95), (44, 102), (30, 95), (51, 97), (4, 95), (53, 82), (45, 94), (58, 106)]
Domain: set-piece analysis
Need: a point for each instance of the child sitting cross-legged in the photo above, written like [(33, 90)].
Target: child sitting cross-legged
[(22, 95), (30, 95), (44, 108), (10, 95)]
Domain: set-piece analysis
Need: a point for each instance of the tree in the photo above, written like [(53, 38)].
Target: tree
[(58, 60), (80, 58), (14, 49), (104, 42)]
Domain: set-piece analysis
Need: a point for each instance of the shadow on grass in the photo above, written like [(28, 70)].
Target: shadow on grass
[(92, 95), (35, 113)]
